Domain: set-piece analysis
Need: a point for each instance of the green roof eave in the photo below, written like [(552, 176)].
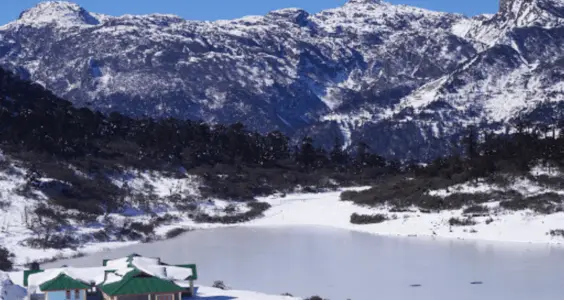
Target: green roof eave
[(28, 273), (139, 283), (63, 282)]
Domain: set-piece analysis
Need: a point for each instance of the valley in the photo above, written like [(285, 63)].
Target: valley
[(368, 145)]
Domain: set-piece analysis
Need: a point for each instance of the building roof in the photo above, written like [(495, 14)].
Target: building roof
[(138, 282), (133, 274), (151, 266), (63, 282), (89, 276)]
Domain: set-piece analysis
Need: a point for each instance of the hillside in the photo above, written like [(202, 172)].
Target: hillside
[(404, 80), (72, 179)]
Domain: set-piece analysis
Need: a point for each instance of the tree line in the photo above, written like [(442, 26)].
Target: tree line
[(34, 119)]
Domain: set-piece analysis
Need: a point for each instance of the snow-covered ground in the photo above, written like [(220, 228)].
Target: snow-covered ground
[(16, 210), (209, 293), (327, 210), (10, 290), (323, 209)]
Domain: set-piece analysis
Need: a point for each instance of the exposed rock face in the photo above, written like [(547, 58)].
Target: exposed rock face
[(401, 78)]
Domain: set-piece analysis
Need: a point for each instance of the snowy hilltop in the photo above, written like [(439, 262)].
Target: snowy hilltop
[(352, 72)]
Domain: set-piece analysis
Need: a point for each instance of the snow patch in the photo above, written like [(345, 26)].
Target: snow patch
[(9, 290)]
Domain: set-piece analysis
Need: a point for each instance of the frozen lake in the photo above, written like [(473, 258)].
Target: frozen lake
[(340, 264)]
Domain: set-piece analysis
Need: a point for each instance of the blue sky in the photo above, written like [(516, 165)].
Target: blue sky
[(229, 9)]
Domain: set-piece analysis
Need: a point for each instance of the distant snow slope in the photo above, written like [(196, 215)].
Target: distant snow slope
[(401, 78)]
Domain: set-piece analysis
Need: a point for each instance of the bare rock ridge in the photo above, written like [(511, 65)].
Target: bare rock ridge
[(59, 12), (403, 79), (505, 5)]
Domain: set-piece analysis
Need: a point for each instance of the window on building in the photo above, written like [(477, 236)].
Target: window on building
[(165, 297), (68, 295), (76, 294)]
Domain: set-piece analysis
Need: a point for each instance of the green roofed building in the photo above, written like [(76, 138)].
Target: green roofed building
[(130, 278)]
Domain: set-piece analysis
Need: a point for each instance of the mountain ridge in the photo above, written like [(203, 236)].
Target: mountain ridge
[(402, 79)]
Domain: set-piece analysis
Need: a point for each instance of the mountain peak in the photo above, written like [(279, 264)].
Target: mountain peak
[(364, 2), (60, 12), (527, 12)]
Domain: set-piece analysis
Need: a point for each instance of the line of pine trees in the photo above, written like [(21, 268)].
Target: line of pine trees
[(33, 119)]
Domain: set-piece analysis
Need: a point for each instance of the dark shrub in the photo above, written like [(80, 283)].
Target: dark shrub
[(57, 241), (190, 206), (476, 210), (368, 219), (461, 222), (545, 203), (429, 203), (85, 195), (256, 210), (4, 204), (6, 259), (259, 206), (101, 236), (163, 220), (458, 200), (550, 181), (176, 232), (231, 208), (43, 212), (396, 209), (139, 227), (218, 284), (499, 180), (518, 204), (557, 232), (349, 195), (403, 193), (314, 298), (125, 233)]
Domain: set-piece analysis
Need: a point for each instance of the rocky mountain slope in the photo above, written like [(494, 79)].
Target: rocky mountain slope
[(401, 78)]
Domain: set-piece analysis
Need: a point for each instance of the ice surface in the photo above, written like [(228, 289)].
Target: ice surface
[(341, 264)]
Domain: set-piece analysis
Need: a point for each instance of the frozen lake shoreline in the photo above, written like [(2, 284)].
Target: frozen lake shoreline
[(327, 210), (316, 224)]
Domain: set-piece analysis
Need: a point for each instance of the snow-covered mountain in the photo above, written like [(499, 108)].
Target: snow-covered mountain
[(401, 78)]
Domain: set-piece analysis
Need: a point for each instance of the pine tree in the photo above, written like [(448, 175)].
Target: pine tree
[(470, 141), (362, 152), (307, 153), (337, 155)]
